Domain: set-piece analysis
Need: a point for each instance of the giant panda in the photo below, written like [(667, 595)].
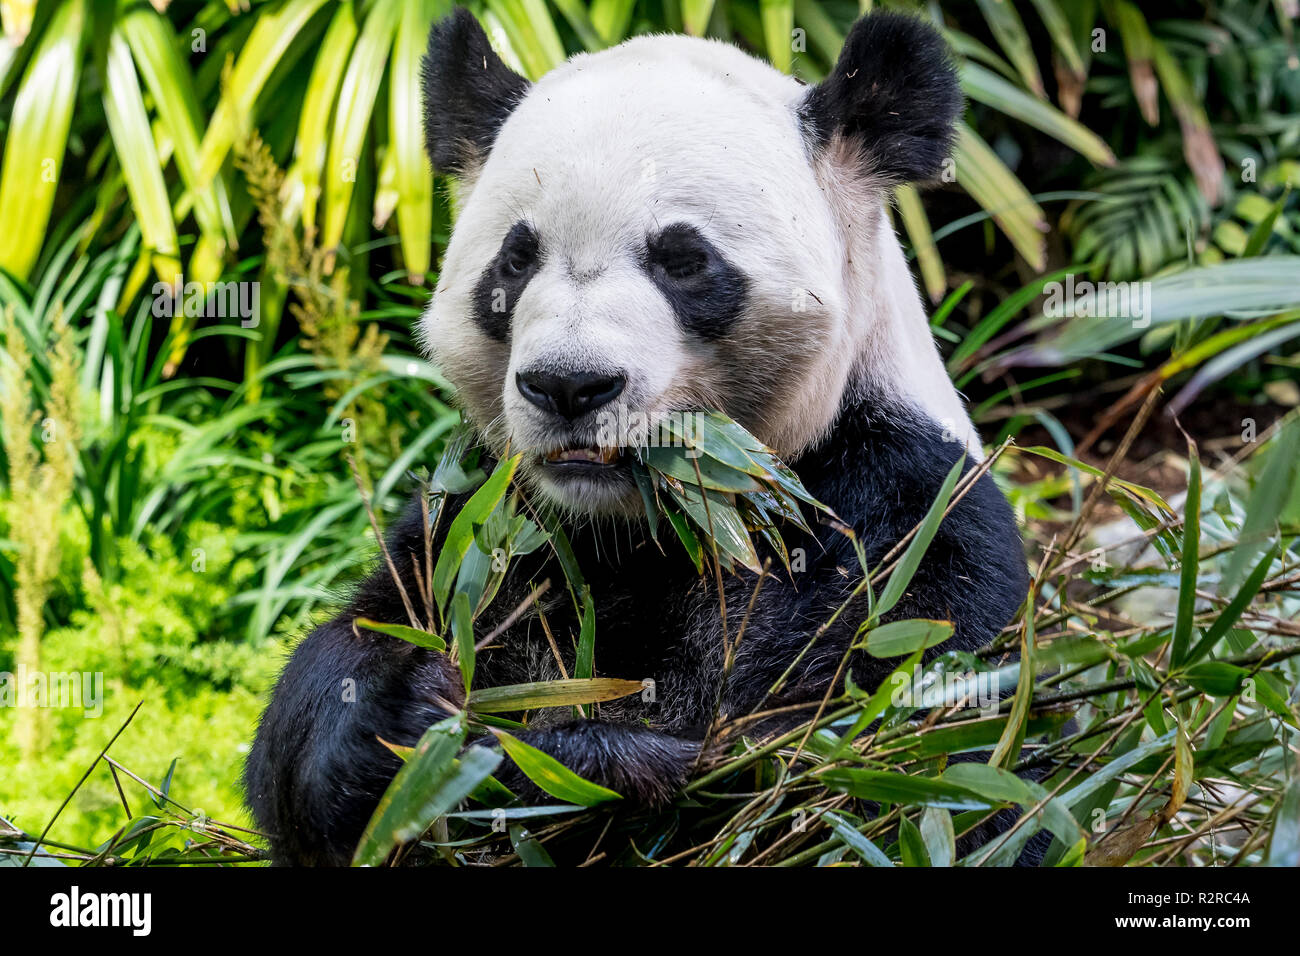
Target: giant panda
[(666, 225)]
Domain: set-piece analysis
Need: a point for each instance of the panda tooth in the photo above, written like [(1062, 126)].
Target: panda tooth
[(603, 456)]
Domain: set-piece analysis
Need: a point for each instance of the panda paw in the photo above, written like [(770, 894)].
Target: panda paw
[(645, 767)]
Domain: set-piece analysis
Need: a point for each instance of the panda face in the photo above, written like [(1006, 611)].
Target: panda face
[(645, 230)]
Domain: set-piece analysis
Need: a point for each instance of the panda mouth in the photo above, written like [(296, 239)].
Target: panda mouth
[(584, 456)]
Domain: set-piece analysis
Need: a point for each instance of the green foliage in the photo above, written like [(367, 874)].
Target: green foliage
[(153, 635)]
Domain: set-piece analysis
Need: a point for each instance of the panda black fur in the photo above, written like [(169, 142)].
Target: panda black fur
[(874, 446)]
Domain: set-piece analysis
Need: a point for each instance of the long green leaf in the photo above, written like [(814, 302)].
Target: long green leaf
[(414, 177), (551, 775), (552, 693), (310, 150), (1009, 30), (168, 79), (128, 124), (778, 31), (273, 37), (37, 137), (356, 103), (1001, 194), (985, 86), (901, 576), (431, 782), (460, 535), (695, 16), (1190, 560)]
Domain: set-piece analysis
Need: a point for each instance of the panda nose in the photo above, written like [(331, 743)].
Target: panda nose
[(569, 394)]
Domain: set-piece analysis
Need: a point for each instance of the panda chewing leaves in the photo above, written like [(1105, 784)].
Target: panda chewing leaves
[(666, 226)]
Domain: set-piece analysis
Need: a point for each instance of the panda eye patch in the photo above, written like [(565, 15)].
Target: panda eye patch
[(519, 250), (680, 252), (705, 290), (504, 279)]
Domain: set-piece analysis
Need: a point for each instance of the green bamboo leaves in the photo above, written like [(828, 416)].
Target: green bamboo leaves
[(531, 32), (985, 86), (432, 781), (167, 78), (778, 31), (717, 483)]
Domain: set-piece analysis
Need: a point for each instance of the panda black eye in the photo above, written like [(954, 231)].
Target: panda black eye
[(519, 251), (679, 252), (683, 265)]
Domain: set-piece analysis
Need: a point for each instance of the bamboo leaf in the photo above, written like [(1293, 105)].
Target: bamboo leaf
[(532, 34), (404, 632), (551, 775), (912, 212), (937, 834), (887, 786), (1009, 30), (778, 31), (553, 693), (910, 560), (1007, 752), (1190, 560), (695, 16), (985, 86), (903, 637), (460, 534), (430, 783), (611, 18), (871, 854), (167, 77), (1284, 845), (311, 147)]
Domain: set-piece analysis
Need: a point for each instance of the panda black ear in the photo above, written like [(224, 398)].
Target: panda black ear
[(468, 93), (894, 93)]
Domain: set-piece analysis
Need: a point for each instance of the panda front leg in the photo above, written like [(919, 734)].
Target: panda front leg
[(317, 768), (644, 766)]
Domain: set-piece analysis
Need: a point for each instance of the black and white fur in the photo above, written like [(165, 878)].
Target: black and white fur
[(677, 218)]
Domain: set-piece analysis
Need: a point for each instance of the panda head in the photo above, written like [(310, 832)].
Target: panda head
[(672, 225)]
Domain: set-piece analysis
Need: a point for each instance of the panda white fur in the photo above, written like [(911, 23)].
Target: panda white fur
[(668, 225)]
